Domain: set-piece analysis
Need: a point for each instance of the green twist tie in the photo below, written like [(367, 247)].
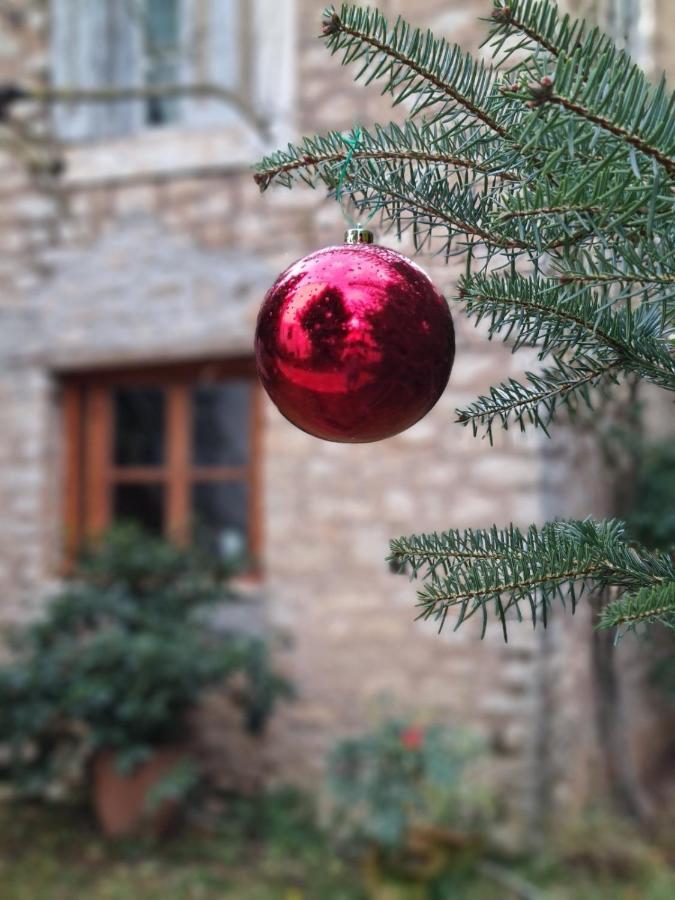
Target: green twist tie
[(353, 144)]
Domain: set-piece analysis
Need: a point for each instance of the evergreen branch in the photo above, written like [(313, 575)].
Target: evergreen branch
[(429, 202), (548, 211), (608, 199), (435, 550), (508, 16), (440, 213), (321, 156), (636, 261), (541, 23), (539, 310), (617, 130), (542, 313), (410, 60), (608, 91), (649, 605), (537, 401), (267, 172), (532, 567), (434, 595), (569, 277)]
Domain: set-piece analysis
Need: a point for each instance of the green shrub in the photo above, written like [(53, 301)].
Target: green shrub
[(121, 657), (401, 776), (651, 522), (652, 518)]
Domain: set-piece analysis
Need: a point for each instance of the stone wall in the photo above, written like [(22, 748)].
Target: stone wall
[(329, 508)]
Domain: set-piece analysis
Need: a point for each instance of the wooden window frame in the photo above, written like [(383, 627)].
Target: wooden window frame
[(89, 470)]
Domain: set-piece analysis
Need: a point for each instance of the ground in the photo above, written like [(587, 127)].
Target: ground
[(272, 850)]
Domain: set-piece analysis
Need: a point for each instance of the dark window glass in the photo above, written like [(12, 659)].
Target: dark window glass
[(140, 503), (162, 29), (219, 513), (139, 427), (221, 423)]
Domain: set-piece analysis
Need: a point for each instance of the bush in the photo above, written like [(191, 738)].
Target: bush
[(651, 522), (402, 777), (121, 657), (652, 519)]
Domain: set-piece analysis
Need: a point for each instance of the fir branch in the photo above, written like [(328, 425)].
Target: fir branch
[(507, 16), (539, 21), (319, 157), (617, 130), (569, 277), (533, 567), (412, 62), (429, 202), (435, 595), (608, 91), (548, 211), (542, 313), (636, 261), (608, 199), (537, 313), (268, 171), (649, 605), (422, 550), (416, 203), (537, 401)]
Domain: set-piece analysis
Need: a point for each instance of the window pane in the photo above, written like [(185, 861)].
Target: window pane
[(140, 503), (220, 515), (162, 39), (139, 426), (221, 423)]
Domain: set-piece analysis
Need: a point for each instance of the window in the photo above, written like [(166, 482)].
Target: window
[(162, 49), (630, 24), (137, 43), (174, 449)]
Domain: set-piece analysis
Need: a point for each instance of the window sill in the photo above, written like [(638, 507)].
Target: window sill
[(161, 153)]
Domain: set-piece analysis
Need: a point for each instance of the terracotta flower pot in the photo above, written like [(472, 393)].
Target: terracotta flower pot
[(122, 802)]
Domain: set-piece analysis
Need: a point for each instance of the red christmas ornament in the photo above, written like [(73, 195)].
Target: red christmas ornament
[(354, 343)]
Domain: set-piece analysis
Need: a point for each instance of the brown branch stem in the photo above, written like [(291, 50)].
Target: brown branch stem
[(567, 277), (667, 162), (264, 176), (486, 236), (548, 211), (526, 584)]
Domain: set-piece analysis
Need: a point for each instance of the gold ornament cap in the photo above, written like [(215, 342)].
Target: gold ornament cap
[(359, 235)]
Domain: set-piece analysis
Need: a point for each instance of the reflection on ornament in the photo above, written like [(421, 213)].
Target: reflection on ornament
[(354, 343)]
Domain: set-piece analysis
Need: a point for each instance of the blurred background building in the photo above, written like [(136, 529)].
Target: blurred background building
[(129, 287)]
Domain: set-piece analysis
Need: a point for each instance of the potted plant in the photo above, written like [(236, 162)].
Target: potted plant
[(107, 679), (401, 795)]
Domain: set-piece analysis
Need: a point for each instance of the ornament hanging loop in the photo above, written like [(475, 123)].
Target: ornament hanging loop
[(355, 234), (352, 143)]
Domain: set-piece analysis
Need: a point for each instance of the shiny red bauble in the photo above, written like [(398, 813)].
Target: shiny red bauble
[(354, 343)]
